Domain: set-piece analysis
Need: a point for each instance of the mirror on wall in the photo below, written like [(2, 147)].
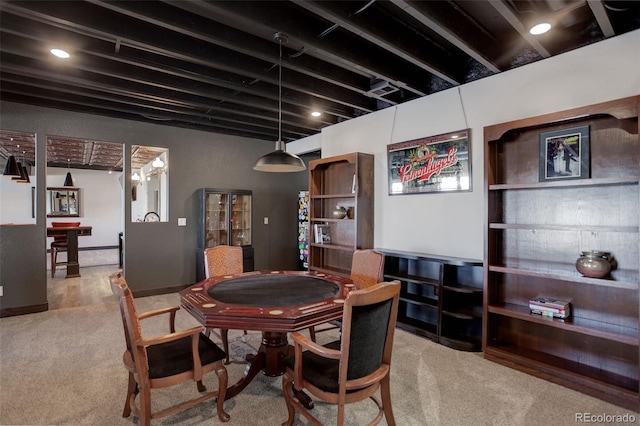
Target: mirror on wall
[(17, 183), (149, 184), (63, 202)]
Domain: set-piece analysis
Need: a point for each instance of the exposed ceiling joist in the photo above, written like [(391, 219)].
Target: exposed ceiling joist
[(213, 66)]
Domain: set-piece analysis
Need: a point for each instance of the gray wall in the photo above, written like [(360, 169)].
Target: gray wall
[(157, 255)]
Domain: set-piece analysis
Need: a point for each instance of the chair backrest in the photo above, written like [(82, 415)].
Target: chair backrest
[(367, 268), (222, 260), (368, 325), (61, 238), (130, 321)]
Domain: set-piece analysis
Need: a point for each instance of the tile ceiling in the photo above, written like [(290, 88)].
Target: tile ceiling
[(74, 153)]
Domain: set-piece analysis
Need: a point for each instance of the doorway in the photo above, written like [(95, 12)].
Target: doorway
[(94, 170)]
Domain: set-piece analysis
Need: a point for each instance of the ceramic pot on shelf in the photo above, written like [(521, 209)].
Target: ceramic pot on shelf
[(594, 264)]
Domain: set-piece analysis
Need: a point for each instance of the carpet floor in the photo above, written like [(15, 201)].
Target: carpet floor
[(64, 367)]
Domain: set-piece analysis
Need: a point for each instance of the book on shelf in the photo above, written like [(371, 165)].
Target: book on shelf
[(321, 233), (551, 307)]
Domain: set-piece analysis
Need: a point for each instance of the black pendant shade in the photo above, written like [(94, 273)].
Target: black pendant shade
[(25, 176), (11, 168), (68, 181), (19, 175), (279, 161)]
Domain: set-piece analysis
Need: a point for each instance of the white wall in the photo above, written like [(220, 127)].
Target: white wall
[(17, 199), (100, 206), (452, 224)]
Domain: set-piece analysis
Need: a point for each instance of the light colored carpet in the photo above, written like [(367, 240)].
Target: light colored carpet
[(64, 367)]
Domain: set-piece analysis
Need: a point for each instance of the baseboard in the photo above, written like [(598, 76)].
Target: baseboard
[(159, 291), (93, 248), (23, 310)]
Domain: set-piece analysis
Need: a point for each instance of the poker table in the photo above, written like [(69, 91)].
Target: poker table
[(274, 302)]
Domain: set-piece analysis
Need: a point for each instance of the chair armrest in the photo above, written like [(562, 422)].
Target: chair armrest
[(158, 312), (170, 337), (306, 343)]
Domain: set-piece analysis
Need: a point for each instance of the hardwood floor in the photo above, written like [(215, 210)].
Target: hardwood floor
[(90, 288)]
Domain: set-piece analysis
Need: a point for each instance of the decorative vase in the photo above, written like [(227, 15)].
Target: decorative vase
[(350, 212), (594, 264), (339, 212)]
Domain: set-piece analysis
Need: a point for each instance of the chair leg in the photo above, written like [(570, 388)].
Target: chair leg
[(53, 262), (287, 389), (223, 379), (385, 392), (340, 421), (145, 407), (132, 388), (200, 386), (224, 335)]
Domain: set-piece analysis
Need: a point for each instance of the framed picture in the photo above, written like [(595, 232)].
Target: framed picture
[(564, 154), (440, 163)]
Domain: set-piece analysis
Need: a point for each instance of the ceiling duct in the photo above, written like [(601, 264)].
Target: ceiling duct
[(382, 88)]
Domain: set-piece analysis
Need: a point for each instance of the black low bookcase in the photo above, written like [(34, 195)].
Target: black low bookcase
[(441, 297)]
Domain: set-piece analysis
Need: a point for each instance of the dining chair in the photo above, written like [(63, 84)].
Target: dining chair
[(223, 260), (353, 368), (167, 360), (59, 244), (367, 269)]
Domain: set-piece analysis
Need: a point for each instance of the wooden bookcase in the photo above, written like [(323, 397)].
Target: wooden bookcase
[(535, 232), (441, 297), (346, 181)]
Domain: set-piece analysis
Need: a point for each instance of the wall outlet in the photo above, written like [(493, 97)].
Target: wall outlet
[(182, 221), (1, 290), (266, 220)]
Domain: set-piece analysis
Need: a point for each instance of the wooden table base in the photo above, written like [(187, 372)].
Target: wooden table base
[(270, 360)]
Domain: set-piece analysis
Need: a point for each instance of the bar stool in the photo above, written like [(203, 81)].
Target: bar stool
[(59, 244)]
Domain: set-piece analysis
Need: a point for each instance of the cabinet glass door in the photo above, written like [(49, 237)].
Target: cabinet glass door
[(240, 222), (216, 219)]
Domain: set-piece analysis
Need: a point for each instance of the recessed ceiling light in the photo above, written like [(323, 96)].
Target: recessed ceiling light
[(540, 28), (316, 114), (60, 53)]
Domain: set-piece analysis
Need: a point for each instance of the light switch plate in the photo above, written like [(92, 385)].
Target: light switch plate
[(182, 221), (266, 220)]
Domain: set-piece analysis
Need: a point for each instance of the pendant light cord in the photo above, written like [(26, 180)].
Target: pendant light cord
[(280, 94)]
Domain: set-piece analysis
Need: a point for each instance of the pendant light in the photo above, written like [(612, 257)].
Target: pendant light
[(68, 180), (24, 174), (11, 168), (20, 176), (280, 160)]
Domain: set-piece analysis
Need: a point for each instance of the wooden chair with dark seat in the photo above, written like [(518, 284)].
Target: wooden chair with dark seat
[(367, 269), (167, 360), (350, 369), (223, 260), (59, 244)]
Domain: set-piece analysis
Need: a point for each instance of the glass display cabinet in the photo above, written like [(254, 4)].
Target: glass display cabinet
[(225, 219)]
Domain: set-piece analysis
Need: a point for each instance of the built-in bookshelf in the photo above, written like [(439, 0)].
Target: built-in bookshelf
[(536, 229)]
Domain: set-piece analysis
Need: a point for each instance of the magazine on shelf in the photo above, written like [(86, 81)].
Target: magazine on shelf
[(548, 306)]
